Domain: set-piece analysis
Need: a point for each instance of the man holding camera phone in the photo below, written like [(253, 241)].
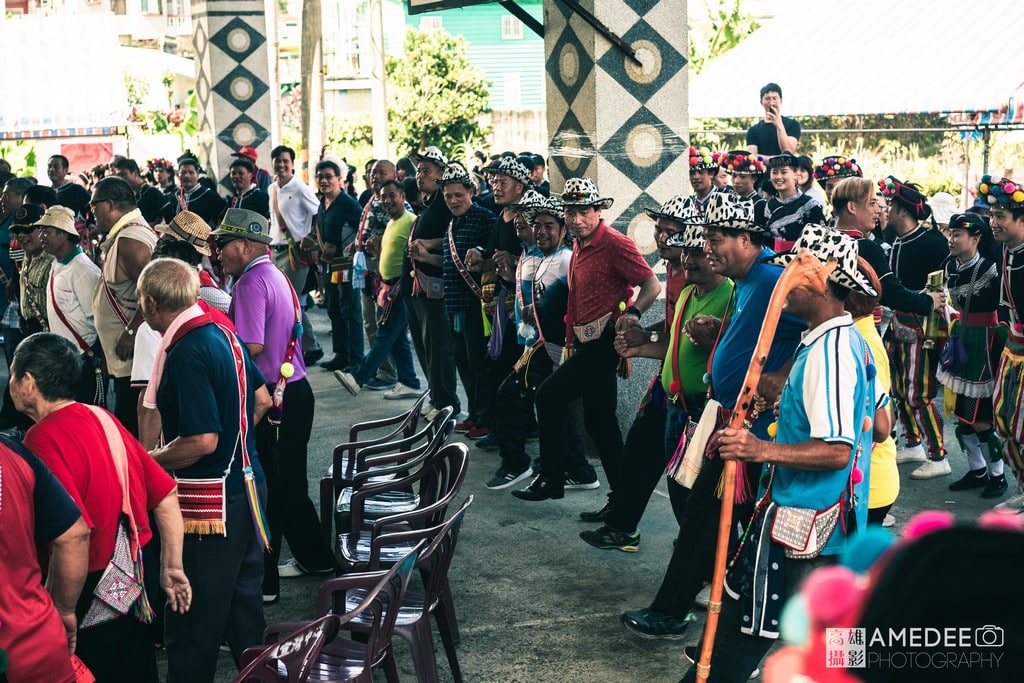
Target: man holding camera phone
[(776, 133)]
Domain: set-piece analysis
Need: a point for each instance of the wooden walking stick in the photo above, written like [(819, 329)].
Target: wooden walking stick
[(804, 272)]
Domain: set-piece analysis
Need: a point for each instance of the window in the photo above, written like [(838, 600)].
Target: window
[(430, 24), (511, 28)]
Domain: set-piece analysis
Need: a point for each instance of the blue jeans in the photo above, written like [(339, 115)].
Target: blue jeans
[(346, 316), (392, 338)]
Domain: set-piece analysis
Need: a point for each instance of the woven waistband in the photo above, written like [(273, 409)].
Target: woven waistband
[(986, 319)]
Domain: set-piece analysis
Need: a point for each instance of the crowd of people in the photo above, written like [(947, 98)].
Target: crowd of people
[(164, 521)]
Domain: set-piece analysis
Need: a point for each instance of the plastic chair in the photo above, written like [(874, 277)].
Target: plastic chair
[(439, 479), (290, 658), (413, 622), (344, 659), (344, 460)]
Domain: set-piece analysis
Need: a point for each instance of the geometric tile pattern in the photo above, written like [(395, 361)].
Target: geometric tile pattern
[(623, 124), (233, 83)]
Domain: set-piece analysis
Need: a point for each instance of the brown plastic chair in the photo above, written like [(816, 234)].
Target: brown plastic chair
[(290, 659), (413, 622), (346, 660)]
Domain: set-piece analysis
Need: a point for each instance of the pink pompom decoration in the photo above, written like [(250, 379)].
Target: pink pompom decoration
[(856, 476), (926, 522), (566, 319), (1006, 521), (1009, 188), (831, 593)]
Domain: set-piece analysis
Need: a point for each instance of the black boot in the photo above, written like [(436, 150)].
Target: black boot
[(995, 487), (542, 489)]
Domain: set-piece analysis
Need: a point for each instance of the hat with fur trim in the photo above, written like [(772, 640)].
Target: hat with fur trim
[(826, 244), (729, 210), (680, 209), (907, 197), (583, 192), (742, 162), (837, 167)]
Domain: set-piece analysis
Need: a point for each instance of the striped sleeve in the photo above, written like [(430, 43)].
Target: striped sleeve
[(830, 388)]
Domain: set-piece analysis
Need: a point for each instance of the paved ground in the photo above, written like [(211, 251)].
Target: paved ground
[(534, 602)]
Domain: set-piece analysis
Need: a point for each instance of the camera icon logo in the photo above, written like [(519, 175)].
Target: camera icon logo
[(988, 636)]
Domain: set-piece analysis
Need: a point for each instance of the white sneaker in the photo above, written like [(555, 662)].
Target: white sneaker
[(431, 414), (932, 469), (910, 454), (348, 381), (401, 391), (426, 408), (888, 522), (1012, 504), (703, 598)]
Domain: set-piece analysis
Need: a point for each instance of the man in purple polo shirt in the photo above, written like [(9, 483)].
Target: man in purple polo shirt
[(265, 310)]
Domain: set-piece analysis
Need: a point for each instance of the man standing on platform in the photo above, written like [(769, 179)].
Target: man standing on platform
[(775, 133), (73, 196), (266, 313), (605, 268), (127, 249)]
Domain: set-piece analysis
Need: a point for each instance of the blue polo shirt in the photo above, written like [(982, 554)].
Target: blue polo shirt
[(198, 394), (735, 348), (829, 395)]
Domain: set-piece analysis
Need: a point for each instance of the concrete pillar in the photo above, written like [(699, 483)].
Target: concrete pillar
[(624, 125), (233, 85)]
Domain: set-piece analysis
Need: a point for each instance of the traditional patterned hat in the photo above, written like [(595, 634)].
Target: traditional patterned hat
[(742, 162), (456, 173), (681, 209), (59, 217), (826, 244), (729, 210), (191, 228), (702, 160), (971, 222), (26, 216), (690, 237), (583, 192), (511, 167), (837, 167), (531, 199), (782, 161), (1000, 193), (549, 205), (906, 196), (431, 154), (158, 163), (243, 224)]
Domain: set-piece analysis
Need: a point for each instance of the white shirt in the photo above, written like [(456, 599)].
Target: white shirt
[(73, 286), (297, 205)]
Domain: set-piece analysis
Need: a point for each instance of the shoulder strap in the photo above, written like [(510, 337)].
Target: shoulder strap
[(115, 443), (459, 265), (86, 349)]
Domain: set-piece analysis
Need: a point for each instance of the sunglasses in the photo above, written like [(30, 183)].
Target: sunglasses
[(222, 242)]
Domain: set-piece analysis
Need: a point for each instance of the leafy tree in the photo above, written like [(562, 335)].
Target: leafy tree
[(435, 95), (728, 24)]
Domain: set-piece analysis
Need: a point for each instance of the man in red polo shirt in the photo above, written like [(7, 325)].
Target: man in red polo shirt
[(605, 268)]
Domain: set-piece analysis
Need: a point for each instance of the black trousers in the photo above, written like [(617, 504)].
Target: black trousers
[(432, 341), (126, 404), (345, 311), (226, 573), (283, 452), (589, 374), (497, 369), (470, 348), (693, 557), (514, 418)]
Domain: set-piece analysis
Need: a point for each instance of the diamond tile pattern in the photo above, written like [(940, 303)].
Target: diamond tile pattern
[(257, 88), (222, 39), (667, 59)]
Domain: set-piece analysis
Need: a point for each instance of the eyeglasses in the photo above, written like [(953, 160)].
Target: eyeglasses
[(93, 204), (222, 242), (326, 176)]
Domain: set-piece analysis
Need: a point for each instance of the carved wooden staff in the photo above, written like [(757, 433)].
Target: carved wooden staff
[(805, 272)]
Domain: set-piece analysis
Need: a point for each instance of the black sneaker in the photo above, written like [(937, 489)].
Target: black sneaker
[(607, 538), (974, 479), (597, 515), (503, 478), (652, 625), (995, 487), (582, 481)]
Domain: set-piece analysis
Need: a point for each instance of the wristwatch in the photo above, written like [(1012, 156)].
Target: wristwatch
[(655, 335)]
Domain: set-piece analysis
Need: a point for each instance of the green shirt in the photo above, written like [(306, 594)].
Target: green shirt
[(693, 360), (392, 245)]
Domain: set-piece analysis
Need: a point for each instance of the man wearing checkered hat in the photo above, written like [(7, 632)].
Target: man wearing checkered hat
[(830, 411)]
